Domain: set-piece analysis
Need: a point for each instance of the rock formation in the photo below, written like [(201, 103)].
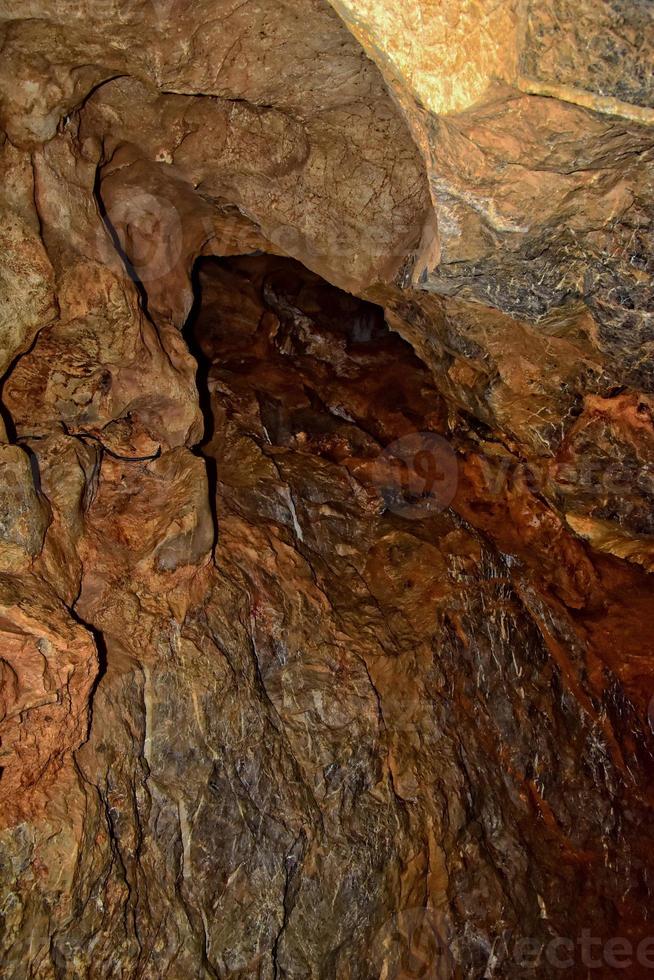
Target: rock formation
[(326, 489)]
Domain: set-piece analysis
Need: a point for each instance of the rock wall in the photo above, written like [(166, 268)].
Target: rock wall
[(326, 452)]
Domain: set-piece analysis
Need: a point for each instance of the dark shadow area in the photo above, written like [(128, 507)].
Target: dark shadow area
[(257, 307), (7, 420), (101, 647), (190, 333), (281, 286), (291, 371)]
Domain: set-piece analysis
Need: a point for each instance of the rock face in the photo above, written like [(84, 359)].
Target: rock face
[(327, 489)]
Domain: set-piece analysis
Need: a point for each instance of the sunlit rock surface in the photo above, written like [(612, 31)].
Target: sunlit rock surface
[(326, 489)]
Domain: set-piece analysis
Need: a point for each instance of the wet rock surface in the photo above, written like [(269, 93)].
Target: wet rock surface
[(325, 643)]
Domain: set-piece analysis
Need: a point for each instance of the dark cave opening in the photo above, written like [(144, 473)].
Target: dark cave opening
[(326, 376)]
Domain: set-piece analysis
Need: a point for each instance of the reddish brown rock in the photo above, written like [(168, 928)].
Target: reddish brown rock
[(324, 615), (48, 665)]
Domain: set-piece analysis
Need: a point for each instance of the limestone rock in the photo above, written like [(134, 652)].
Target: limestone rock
[(539, 202), (26, 288), (23, 513), (326, 452), (343, 162), (604, 48), (542, 204), (49, 664), (445, 55)]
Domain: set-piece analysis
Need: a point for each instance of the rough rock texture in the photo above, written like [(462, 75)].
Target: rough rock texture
[(325, 644), (603, 47)]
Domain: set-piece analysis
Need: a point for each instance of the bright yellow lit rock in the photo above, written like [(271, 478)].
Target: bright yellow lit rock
[(446, 52)]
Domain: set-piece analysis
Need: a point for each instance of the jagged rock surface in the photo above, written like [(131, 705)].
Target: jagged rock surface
[(324, 616)]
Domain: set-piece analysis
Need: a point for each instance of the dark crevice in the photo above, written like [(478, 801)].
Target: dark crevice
[(63, 122), (120, 251), (34, 466), (10, 428), (101, 647), (204, 395), (5, 414), (203, 363), (125, 459)]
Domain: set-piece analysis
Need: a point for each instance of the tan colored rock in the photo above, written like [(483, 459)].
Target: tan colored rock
[(603, 474), (535, 203), (24, 515), (17, 187), (232, 151), (520, 379), (350, 163), (26, 288), (101, 386), (69, 470), (446, 54), (541, 204), (102, 340), (163, 224)]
